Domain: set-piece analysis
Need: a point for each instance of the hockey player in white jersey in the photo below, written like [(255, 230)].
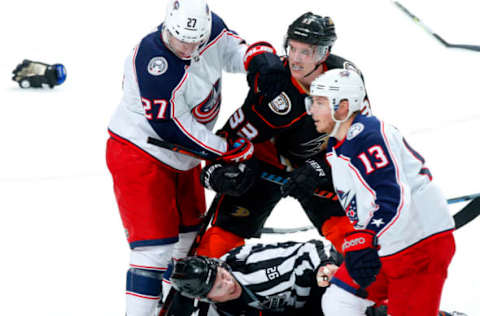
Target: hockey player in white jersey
[(172, 90), (403, 243)]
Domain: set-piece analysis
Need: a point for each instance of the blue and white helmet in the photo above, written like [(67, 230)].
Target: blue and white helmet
[(189, 21), (338, 85)]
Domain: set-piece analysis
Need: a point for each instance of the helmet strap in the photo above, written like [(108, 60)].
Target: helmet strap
[(318, 64)]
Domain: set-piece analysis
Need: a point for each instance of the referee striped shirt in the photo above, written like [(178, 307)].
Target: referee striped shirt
[(278, 276)]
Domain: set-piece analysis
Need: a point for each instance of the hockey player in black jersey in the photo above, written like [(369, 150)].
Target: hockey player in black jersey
[(273, 117)]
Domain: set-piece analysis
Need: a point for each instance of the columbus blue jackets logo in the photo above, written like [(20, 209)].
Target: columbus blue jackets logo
[(349, 203), (354, 130), (157, 66), (208, 109), (281, 104)]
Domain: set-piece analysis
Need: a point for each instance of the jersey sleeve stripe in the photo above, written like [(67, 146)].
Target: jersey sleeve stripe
[(133, 62)]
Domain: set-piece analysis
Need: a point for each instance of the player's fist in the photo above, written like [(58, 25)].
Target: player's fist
[(303, 181), (238, 150), (230, 179), (325, 274), (266, 73), (361, 256)]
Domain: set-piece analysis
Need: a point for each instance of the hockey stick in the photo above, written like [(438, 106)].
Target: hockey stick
[(468, 213), (429, 31), (462, 217), (203, 155), (191, 251)]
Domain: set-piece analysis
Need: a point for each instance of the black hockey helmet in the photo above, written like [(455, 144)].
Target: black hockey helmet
[(194, 276), (312, 29)]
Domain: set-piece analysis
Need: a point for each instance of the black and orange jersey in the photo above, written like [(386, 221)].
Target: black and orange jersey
[(283, 119)]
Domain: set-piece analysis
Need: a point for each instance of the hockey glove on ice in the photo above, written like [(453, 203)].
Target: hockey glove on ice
[(37, 74), (361, 256), (304, 180), (230, 179), (266, 73)]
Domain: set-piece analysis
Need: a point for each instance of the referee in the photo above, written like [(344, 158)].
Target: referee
[(261, 279)]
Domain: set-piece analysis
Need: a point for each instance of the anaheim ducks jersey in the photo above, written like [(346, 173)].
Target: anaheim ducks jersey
[(284, 118), (176, 100), (384, 185)]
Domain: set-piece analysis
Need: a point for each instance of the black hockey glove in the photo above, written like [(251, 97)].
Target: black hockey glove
[(37, 74), (230, 179), (266, 73), (304, 180), (361, 256), (377, 311)]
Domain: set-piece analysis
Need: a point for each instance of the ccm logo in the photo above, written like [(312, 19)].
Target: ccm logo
[(353, 243)]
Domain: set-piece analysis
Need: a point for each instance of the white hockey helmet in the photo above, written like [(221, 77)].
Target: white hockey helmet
[(338, 85), (189, 21)]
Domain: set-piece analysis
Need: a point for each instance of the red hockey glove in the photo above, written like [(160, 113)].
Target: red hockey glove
[(255, 50), (238, 150), (361, 256), (266, 73)]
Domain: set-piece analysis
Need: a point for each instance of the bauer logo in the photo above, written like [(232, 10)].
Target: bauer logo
[(281, 104), (353, 243), (157, 66)]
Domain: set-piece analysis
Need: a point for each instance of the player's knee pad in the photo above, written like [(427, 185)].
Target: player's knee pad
[(147, 265), (144, 283), (216, 242), (337, 301)]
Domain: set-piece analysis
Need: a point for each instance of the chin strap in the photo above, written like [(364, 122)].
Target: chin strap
[(318, 64), (314, 69)]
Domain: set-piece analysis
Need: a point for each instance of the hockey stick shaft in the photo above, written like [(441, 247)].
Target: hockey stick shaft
[(271, 177), (465, 215), (468, 213), (191, 251), (429, 31)]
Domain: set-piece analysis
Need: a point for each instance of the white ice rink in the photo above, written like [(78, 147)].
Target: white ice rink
[(63, 251)]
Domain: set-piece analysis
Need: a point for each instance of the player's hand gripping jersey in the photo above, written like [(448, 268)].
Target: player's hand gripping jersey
[(284, 118), (384, 186), (180, 99)]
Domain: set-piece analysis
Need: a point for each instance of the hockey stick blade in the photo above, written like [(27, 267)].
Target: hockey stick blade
[(468, 213), (429, 31), (463, 198)]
